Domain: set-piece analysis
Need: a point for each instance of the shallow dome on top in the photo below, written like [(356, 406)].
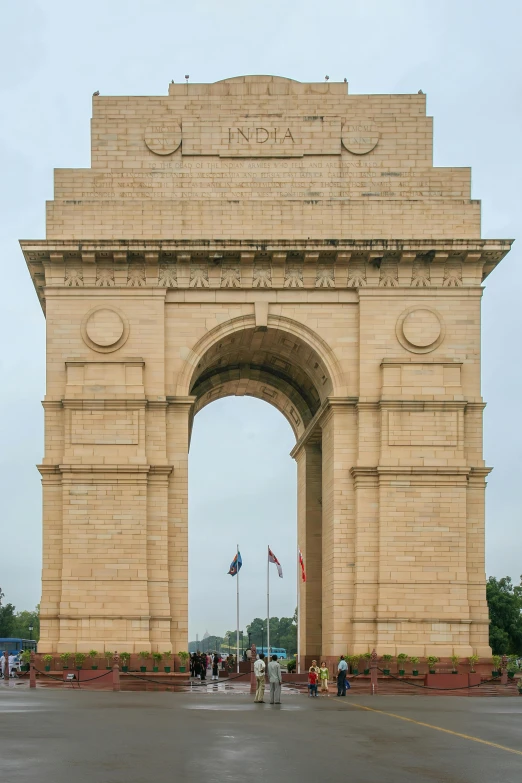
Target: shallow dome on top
[(257, 78)]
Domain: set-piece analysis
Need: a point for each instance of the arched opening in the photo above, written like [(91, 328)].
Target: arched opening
[(280, 368), (242, 490)]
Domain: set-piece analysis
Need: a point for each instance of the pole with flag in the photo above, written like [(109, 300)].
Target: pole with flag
[(235, 567), (271, 559), (302, 579)]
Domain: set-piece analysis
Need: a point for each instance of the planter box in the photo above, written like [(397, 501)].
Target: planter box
[(446, 680)]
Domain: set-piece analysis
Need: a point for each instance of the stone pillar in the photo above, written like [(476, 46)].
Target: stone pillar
[(475, 563), (52, 558), (158, 557), (179, 423), (309, 540), (366, 557), (338, 514)]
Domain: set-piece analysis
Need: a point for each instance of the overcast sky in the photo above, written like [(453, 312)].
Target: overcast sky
[(465, 54)]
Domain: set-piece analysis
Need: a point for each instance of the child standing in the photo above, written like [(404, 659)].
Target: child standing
[(312, 682), (323, 677)]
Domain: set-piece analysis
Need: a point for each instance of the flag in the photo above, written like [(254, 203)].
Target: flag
[(273, 559), (235, 565), (301, 563)]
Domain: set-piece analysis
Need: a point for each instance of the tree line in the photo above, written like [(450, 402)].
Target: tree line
[(15, 624), (283, 633)]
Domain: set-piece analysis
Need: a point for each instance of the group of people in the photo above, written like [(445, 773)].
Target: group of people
[(320, 674), (11, 663), (275, 678), (316, 674), (200, 662)]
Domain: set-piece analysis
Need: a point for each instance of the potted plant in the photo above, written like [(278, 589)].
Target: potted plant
[(472, 660), (402, 658), (25, 657), (415, 661), (354, 661), (143, 655), (511, 671), (92, 655), (367, 656), (47, 659), (79, 659), (166, 656), (125, 658), (64, 657), (455, 660), (519, 687), (183, 656), (108, 659), (291, 666), (497, 663), (388, 659), (432, 662), (157, 657)]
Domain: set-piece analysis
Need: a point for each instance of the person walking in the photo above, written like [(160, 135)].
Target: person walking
[(323, 677), (342, 669), (259, 671), (275, 679), (2, 664)]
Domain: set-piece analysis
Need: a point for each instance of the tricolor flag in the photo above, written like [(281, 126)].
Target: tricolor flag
[(235, 565), (301, 563), (273, 559)]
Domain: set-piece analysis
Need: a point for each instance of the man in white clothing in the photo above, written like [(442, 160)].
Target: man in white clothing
[(275, 679), (259, 671)]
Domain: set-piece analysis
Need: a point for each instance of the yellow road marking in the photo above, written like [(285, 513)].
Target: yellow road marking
[(437, 728)]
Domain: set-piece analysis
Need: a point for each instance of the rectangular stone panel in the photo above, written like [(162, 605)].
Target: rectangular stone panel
[(111, 427), (423, 428)]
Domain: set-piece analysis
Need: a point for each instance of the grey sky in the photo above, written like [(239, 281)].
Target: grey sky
[(465, 54)]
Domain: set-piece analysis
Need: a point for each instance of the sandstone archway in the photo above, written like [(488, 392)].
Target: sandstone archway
[(293, 242)]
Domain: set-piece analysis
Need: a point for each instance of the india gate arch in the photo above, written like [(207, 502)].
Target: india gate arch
[(331, 270)]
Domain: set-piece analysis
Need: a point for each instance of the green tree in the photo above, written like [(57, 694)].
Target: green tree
[(22, 621), (505, 606), (6, 617)]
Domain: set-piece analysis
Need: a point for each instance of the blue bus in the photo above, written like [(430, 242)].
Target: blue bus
[(279, 651), (15, 646)]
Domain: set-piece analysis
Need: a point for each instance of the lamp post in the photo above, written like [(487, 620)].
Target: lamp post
[(31, 632)]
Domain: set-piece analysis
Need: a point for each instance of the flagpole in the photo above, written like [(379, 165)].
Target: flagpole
[(237, 610), (298, 616), (268, 602)]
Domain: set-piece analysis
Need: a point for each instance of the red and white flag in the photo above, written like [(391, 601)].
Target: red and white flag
[(301, 563), (273, 559)]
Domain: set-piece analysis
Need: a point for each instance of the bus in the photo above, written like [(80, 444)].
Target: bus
[(279, 651), (15, 646)]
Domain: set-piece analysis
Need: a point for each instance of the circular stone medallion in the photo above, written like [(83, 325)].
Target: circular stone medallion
[(360, 136), (163, 139), (104, 329), (420, 330)]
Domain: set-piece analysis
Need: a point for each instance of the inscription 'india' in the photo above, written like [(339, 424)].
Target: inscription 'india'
[(260, 135)]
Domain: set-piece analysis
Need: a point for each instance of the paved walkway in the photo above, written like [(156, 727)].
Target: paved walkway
[(55, 736)]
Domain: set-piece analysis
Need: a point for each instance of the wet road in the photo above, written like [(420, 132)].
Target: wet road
[(53, 736)]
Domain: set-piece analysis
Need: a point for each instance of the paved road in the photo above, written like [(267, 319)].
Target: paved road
[(52, 736)]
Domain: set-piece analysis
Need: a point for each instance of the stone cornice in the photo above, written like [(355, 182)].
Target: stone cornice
[(373, 267)]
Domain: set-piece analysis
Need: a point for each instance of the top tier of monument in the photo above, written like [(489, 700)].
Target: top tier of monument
[(262, 158)]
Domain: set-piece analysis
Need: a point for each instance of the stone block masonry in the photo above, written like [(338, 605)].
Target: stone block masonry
[(287, 241)]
